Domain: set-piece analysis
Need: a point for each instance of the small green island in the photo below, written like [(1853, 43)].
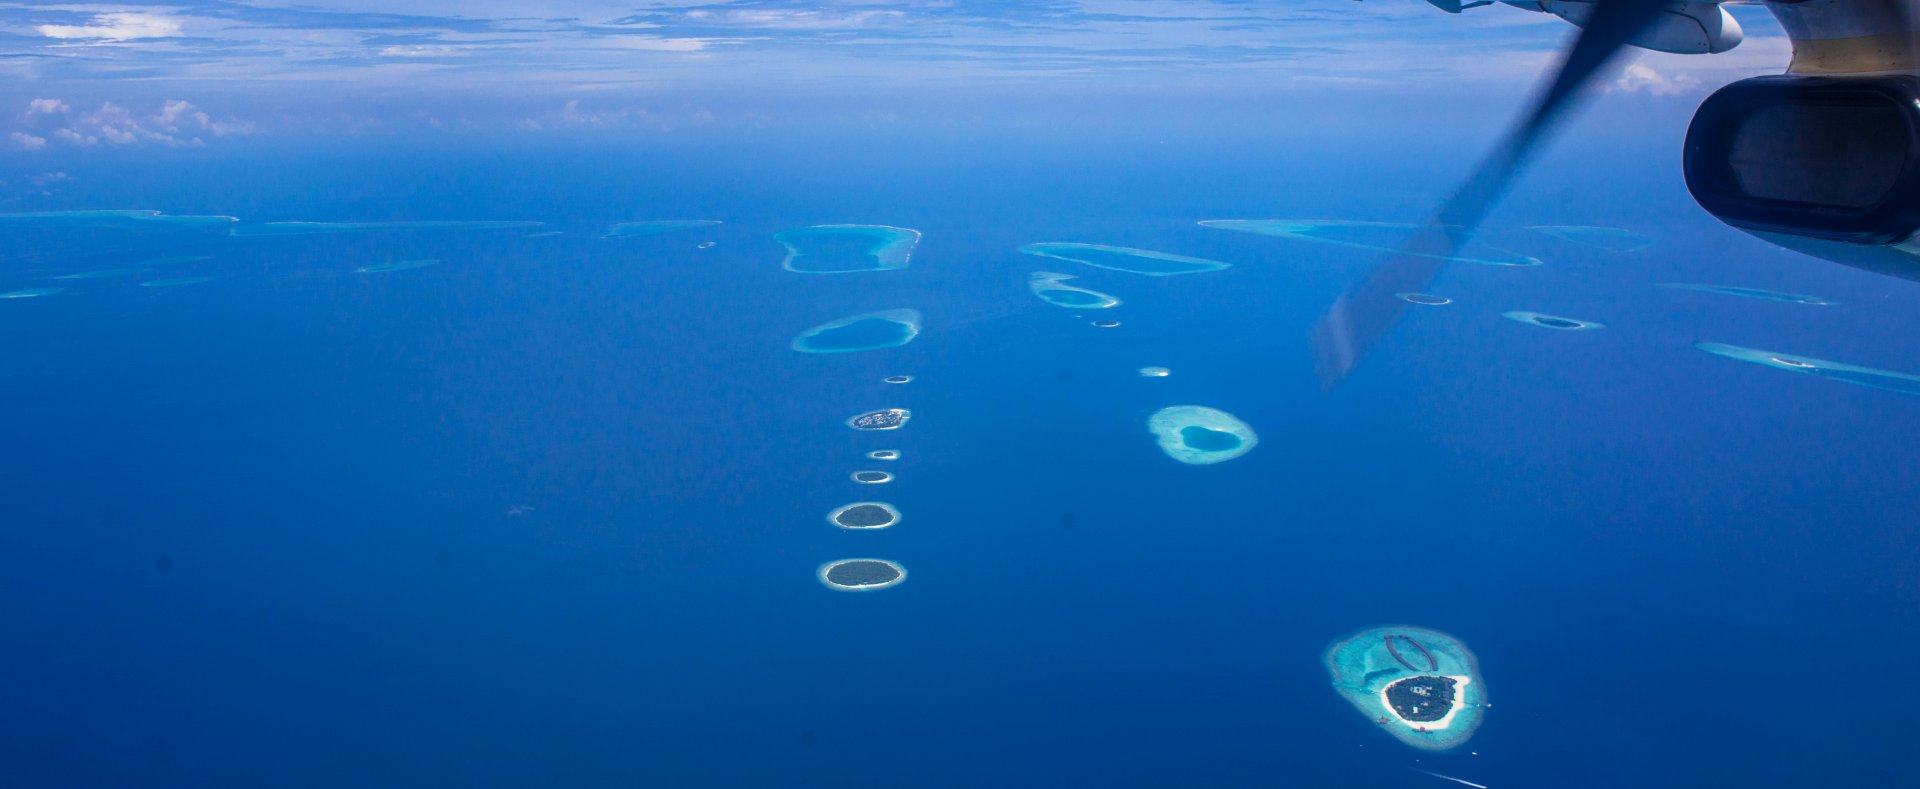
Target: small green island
[(864, 515), (861, 575), (1199, 436), (880, 419), (1423, 686)]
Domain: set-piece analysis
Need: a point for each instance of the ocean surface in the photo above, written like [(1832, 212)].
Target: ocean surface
[(548, 509)]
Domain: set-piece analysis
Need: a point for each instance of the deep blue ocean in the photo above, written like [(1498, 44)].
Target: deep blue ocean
[(548, 512)]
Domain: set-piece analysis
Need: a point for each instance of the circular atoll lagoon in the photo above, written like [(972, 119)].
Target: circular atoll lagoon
[(845, 249), (897, 379), (861, 575), (1427, 299), (1048, 286), (1106, 324), (884, 454), (1128, 259), (864, 332), (1376, 236), (864, 515), (882, 419), (1554, 322), (1198, 435), (872, 477), (1421, 685), (1155, 372)]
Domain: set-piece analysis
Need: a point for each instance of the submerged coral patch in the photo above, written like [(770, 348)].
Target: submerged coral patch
[(1555, 322), (1887, 380), (654, 227), (1128, 259), (1051, 288), (1378, 236)]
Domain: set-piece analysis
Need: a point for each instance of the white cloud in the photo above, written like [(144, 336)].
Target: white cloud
[(124, 26), (1642, 78), (45, 107), (28, 142), (177, 124)]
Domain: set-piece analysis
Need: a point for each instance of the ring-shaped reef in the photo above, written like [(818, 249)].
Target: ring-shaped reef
[(847, 249), (1423, 686), (1887, 380), (1127, 259), (1377, 236), (1048, 286), (317, 228), (1426, 299), (861, 575), (1199, 436), (397, 265), (872, 477), (864, 332), (1155, 372), (114, 217), (1554, 322), (897, 379), (884, 454), (1612, 239), (864, 516), (30, 293), (654, 227), (174, 282), (880, 419), (1105, 324), (1748, 293)]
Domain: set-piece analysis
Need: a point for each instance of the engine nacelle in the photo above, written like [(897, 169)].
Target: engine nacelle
[(1683, 29)]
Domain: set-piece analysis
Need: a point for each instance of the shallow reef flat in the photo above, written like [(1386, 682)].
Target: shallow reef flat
[(1554, 322), (861, 575), (114, 217), (174, 282), (847, 249), (397, 265), (654, 227), (864, 332), (1050, 287), (1199, 436), (1887, 380), (1748, 293), (319, 228), (30, 293), (105, 273), (1128, 259), (1422, 686), (1612, 239), (1376, 236)]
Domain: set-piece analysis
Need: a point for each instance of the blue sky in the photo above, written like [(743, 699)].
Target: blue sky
[(196, 73)]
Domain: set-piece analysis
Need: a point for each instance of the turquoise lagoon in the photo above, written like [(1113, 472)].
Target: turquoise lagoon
[(864, 332), (847, 249), (1199, 436), (1048, 286)]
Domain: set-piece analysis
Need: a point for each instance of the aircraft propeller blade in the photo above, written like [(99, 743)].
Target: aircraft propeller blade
[(1362, 315)]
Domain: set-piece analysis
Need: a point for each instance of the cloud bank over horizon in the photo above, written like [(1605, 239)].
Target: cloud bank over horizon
[(265, 67)]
